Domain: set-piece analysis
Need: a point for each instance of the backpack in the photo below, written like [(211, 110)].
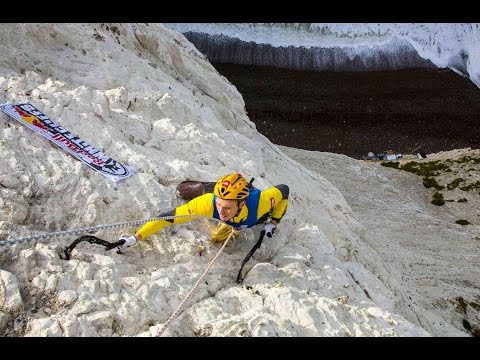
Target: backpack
[(190, 189)]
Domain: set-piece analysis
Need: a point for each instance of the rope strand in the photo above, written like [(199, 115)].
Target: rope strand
[(83, 230), (177, 310)]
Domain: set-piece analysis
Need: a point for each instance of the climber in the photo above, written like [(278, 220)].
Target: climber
[(233, 201)]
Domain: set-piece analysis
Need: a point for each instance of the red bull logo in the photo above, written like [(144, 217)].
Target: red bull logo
[(31, 119)]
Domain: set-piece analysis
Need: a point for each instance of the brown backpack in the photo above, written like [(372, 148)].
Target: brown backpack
[(190, 189)]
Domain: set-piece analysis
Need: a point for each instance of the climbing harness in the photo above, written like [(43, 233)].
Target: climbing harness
[(177, 310), (249, 255)]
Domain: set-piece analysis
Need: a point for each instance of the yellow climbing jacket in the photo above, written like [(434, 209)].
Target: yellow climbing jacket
[(260, 205)]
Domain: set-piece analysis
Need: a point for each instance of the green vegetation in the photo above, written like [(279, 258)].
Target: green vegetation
[(474, 186), (462, 305), (429, 182), (474, 305), (431, 169), (462, 222), (473, 330), (453, 184), (438, 199), (391, 164), (468, 160), (427, 169)]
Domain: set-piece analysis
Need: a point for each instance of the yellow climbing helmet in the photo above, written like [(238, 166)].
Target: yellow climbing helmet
[(231, 187)]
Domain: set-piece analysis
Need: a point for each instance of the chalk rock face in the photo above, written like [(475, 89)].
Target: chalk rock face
[(144, 96), (10, 296)]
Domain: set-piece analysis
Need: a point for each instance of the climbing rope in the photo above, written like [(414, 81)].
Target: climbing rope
[(177, 310), (84, 230)]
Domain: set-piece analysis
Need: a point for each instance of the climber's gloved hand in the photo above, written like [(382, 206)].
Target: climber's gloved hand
[(129, 241), (269, 229)]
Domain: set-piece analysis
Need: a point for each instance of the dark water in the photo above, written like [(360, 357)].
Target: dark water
[(352, 113)]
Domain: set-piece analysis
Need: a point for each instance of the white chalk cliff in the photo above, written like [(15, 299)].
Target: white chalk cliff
[(144, 95)]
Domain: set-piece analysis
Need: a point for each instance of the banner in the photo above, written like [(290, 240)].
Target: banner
[(29, 115)]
